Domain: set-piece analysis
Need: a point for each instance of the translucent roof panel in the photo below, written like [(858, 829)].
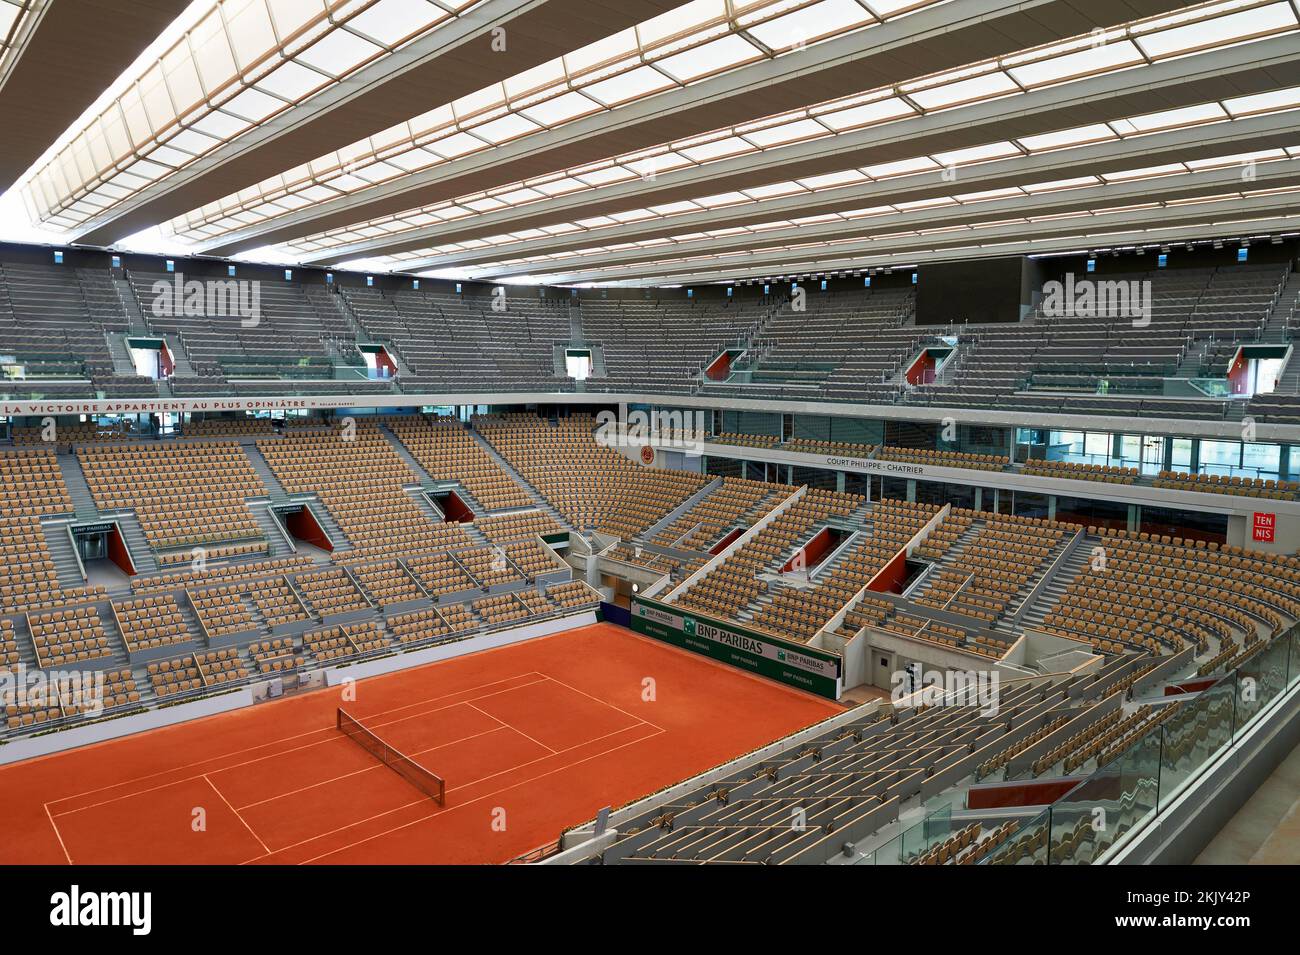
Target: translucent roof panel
[(604, 228), (678, 48), (981, 81), (13, 21), (1090, 228), (599, 228), (242, 63)]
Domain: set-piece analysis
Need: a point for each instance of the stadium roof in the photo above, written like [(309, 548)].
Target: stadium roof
[(647, 141)]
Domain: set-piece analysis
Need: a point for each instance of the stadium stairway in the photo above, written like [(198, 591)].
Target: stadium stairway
[(122, 364), (425, 479), (575, 322), (518, 478), (118, 659), (1193, 358), (273, 486), (141, 553), (651, 532), (953, 552), (331, 527), (1288, 382), (183, 367), (23, 637), (136, 322), (83, 502), (1050, 596), (62, 552), (191, 619), (279, 544), (1010, 619), (1276, 329)]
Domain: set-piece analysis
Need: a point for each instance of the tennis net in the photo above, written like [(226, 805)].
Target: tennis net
[(431, 784)]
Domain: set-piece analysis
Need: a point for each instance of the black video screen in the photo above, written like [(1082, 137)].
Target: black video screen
[(987, 290)]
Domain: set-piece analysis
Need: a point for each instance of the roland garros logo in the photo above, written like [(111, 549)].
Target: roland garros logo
[(647, 455)]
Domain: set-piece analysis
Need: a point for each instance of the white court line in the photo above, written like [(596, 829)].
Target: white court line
[(475, 782), (236, 812), (332, 730), (599, 700), (58, 835), (489, 795), (514, 729), (282, 739), (368, 769)]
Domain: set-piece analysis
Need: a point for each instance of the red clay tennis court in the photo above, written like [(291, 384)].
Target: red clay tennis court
[(529, 739)]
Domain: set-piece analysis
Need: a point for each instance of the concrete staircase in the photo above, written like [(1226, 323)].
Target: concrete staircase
[(668, 519), (1288, 382), (137, 324), (1276, 328), (271, 530), (117, 350), (23, 637), (407, 457), (118, 659), (1193, 358), (183, 368), (1005, 621), (83, 502), (263, 468), (1054, 589), (505, 465), (326, 520), (63, 553), (141, 553)]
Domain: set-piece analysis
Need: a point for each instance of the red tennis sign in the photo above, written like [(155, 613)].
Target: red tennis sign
[(1265, 525)]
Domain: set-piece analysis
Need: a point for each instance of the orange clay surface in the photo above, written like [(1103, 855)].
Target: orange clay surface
[(530, 738)]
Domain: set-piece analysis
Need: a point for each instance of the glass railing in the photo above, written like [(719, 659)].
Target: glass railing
[(1100, 813), (1212, 387)]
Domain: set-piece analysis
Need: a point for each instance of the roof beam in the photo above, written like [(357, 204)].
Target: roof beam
[(452, 61), (1174, 188), (1206, 220), (933, 39), (73, 50), (1252, 134), (1186, 81)]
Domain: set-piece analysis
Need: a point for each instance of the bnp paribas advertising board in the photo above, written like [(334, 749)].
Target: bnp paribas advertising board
[(793, 664)]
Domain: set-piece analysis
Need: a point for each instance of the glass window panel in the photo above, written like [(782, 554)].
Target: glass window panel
[(1092, 60), (390, 21), (690, 16), (980, 87), (811, 23), (292, 16), (560, 109), (338, 52), (1220, 457), (1261, 460), (886, 109), (643, 81), (1219, 31), (291, 81), (251, 34), (713, 57), (786, 133)]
